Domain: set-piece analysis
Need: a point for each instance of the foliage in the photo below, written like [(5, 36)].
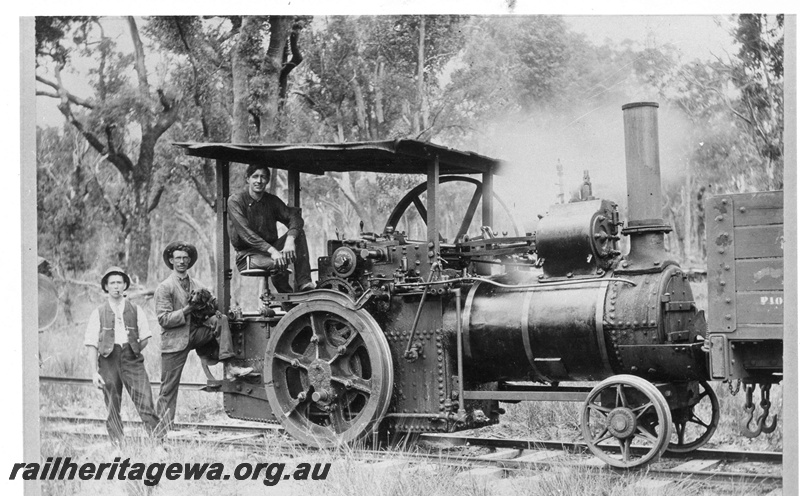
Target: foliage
[(122, 116), (51, 31), (758, 74), (735, 110), (369, 77), (456, 80), (67, 205)]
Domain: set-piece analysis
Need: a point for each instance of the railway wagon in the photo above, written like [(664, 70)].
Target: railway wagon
[(434, 334), (745, 298)]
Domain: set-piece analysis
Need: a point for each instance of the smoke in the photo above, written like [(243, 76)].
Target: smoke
[(580, 139)]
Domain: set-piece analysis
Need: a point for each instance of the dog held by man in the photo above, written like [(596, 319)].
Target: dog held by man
[(189, 321)]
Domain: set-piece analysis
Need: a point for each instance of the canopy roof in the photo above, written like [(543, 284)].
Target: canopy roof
[(396, 157)]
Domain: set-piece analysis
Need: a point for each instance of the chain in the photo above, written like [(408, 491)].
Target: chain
[(748, 397), (735, 391)]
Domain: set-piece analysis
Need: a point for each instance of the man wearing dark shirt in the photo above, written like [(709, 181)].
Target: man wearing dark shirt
[(253, 215)]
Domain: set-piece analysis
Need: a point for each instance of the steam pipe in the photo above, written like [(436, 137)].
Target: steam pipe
[(460, 347)]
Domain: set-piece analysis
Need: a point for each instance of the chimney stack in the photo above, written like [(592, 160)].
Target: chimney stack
[(646, 226)]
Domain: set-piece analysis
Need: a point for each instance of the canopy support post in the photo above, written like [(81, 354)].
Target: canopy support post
[(223, 243)]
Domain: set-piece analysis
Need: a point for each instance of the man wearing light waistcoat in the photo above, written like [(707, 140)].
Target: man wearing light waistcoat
[(116, 334)]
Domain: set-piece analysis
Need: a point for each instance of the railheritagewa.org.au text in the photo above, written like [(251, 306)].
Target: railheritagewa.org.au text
[(64, 468)]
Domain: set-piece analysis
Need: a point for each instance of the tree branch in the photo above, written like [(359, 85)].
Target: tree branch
[(208, 242), (46, 93), (62, 92), (345, 186), (198, 100), (201, 189), (139, 62), (297, 59), (113, 206), (165, 120), (156, 198)]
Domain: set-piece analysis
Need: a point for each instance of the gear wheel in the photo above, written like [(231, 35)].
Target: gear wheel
[(341, 285)]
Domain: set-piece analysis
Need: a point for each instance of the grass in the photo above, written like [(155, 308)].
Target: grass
[(62, 354), (348, 475), (561, 421)]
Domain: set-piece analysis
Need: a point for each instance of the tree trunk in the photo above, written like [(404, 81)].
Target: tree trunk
[(377, 129), (700, 224), (361, 109), (279, 27), (346, 187), (339, 126), (241, 71), (138, 236), (687, 216), (417, 116), (204, 234)]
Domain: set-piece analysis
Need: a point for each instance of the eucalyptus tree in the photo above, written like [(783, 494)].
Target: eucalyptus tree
[(235, 72), (371, 78), (123, 119), (757, 72), (734, 107)]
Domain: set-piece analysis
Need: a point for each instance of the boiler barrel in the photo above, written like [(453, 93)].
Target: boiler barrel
[(550, 334)]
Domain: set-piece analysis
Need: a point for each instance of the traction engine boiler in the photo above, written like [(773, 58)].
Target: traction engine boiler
[(460, 342), (415, 336)]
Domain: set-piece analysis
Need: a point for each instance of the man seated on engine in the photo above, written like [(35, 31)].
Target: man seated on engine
[(253, 215), (189, 321)]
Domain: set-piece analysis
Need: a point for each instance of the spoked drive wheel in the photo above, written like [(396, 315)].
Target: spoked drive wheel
[(626, 421), (328, 373), (694, 425)]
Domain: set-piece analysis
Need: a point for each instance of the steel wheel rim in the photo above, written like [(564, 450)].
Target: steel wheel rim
[(639, 420), (345, 377), (689, 416), (413, 198)]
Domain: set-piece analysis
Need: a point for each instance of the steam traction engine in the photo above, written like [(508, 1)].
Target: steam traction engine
[(430, 336)]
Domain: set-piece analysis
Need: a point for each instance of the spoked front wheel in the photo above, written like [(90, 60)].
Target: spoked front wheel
[(626, 421)]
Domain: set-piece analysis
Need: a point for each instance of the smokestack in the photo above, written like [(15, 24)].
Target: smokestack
[(641, 163), (646, 226)]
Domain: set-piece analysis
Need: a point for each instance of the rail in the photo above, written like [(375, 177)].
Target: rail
[(82, 381), (515, 457)]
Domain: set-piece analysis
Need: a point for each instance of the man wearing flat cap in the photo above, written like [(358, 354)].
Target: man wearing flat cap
[(116, 334), (183, 328)]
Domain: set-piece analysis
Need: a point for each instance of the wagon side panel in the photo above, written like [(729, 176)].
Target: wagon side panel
[(745, 236)]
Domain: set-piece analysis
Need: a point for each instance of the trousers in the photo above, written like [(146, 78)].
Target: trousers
[(222, 332), (203, 341), (261, 260), (123, 368)]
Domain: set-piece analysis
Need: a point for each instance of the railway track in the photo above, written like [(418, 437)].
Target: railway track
[(81, 381), (478, 457)]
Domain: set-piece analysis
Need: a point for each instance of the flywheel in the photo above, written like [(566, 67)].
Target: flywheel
[(328, 373)]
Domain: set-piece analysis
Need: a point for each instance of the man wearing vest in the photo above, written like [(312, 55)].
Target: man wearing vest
[(182, 332), (116, 334)]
